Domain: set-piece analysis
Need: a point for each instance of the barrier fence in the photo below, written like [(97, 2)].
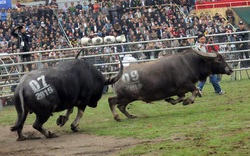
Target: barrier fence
[(105, 56)]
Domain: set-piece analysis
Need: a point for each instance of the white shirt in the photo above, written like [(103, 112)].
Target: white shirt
[(200, 47)]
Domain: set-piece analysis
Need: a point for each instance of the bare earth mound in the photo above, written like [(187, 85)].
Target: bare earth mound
[(65, 144)]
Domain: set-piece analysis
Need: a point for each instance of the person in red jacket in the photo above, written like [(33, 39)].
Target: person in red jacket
[(96, 6), (212, 48)]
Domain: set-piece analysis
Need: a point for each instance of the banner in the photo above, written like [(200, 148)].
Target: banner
[(6, 4)]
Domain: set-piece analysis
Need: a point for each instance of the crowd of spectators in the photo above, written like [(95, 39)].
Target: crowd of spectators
[(138, 20)]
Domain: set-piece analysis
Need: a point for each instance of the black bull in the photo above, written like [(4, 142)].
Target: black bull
[(168, 76), (69, 84)]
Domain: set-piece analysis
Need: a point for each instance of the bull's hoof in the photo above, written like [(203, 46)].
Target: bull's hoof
[(117, 118), (51, 135), (61, 120), (14, 128), (21, 138), (132, 116), (187, 102), (75, 128)]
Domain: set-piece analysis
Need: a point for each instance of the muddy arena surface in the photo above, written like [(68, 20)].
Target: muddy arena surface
[(66, 144)]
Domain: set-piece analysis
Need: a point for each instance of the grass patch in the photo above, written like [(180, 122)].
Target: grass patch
[(214, 124)]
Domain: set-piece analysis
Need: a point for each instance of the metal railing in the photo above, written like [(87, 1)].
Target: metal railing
[(9, 77), (209, 5)]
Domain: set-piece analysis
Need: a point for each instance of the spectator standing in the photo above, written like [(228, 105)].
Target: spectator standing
[(96, 7), (22, 43), (119, 10), (3, 15), (242, 46), (105, 11), (53, 2), (90, 5), (85, 7), (72, 8), (124, 5), (19, 5), (113, 9), (201, 46), (230, 16), (78, 5), (65, 7)]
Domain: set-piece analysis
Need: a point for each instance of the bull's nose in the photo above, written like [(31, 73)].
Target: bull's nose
[(230, 72)]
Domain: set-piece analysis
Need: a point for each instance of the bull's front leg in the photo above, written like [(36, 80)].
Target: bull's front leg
[(190, 100), (62, 119), (112, 104), (75, 123)]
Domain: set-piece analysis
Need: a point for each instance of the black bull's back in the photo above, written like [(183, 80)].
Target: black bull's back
[(166, 77), (71, 81)]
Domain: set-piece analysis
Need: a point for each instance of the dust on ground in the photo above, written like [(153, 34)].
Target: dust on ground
[(64, 145)]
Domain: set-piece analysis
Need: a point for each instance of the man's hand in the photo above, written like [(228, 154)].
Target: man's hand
[(241, 45)]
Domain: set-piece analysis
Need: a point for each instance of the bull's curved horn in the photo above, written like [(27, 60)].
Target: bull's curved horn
[(118, 75), (82, 50), (204, 54)]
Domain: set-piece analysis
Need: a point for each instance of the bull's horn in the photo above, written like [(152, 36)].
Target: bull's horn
[(82, 50), (204, 54), (118, 75)]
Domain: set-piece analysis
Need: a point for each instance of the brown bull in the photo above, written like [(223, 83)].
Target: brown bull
[(174, 75)]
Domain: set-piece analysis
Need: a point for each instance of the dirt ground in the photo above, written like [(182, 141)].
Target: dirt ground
[(66, 144)]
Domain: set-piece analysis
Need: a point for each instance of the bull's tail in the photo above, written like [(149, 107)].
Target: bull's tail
[(22, 113), (118, 75)]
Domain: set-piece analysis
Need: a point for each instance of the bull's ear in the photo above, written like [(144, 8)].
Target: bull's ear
[(204, 54)]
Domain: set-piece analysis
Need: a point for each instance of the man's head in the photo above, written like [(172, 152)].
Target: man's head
[(201, 38), (22, 28), (241, 24)]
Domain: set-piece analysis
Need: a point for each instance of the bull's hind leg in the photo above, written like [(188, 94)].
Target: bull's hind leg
[(19, 125), (112, 103), (21, 137), (191, 99), (21, 118), (122, 108), (122, 104), (173, 101), (38, 125)]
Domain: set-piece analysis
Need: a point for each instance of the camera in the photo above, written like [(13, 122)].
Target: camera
[(19, 26)]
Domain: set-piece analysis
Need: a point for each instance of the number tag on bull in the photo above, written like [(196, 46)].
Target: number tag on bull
[(40, 90), (132, 80)]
